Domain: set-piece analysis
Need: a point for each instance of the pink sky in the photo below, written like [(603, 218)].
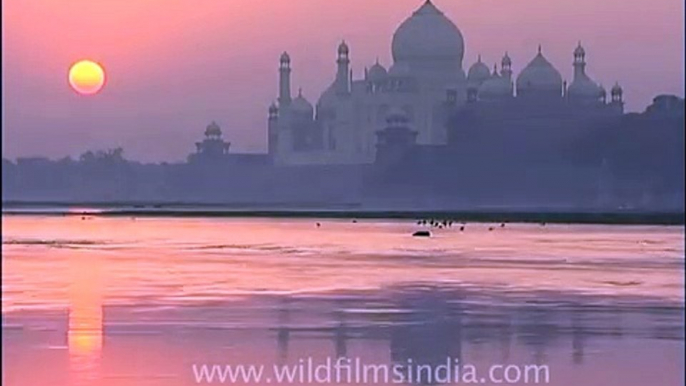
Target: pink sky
[(175, 65)]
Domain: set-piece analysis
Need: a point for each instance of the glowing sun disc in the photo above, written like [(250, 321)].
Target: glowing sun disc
[(86, 77)]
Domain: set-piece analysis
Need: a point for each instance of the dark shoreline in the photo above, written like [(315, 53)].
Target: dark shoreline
[(344, 211)]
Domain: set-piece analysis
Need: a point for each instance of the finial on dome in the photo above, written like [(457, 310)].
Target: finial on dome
[(506, 59), (478, 59), (428, 7), (343, 47), (539, 49)]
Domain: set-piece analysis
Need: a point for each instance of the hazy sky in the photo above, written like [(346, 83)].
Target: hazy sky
[(175, 65)]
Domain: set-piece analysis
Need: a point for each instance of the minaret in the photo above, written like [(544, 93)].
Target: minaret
[(285, 80), (343, 74), (617, 93), (579, 62), (617, 98), (506, 67), (603, 94), (272, 131)]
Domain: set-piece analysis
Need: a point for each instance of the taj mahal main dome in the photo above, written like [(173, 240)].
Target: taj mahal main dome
[(428, 35)]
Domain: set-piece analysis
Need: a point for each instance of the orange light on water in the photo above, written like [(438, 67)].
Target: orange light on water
[(86, 77), (85, 318)]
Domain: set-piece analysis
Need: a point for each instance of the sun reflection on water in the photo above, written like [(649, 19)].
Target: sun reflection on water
[(85, 318)]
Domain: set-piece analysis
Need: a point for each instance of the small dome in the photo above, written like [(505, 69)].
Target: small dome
[(539, 76), (579, 50), (213, 129), (506, 60), (343, 48), (583, 87), (300, 104), (603, 92), (478, 72), (285, 58), (428, 35), (377, 73), (496, 87)]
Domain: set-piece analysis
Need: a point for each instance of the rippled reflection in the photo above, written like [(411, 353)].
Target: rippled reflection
[(85, 318), (602, 305)]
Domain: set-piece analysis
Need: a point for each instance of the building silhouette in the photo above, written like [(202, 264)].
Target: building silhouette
[(427, 82)]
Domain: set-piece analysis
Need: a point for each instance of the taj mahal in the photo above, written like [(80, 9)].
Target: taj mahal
[(420, 134), (422, 88)]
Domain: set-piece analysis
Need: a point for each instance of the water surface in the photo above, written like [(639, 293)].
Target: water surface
[(136, 301)]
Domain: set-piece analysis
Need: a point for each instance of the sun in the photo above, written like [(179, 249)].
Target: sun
[(86, 77)]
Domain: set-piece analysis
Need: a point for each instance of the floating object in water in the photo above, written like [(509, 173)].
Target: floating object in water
[(490, 229), (502, 225), (623, 283), (421, 234), (461, 228), (318, 225)]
